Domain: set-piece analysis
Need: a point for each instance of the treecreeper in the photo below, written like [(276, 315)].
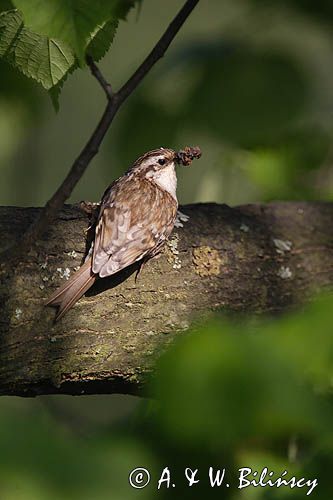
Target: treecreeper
[(137, 215)]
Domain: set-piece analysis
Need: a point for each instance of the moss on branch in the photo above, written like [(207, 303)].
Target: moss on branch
[(254, 258)]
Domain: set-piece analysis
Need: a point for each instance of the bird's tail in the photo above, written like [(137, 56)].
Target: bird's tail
[(70, 292)]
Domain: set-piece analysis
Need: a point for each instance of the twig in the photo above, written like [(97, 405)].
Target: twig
[(158, 51), (95, 71), (92, 146)]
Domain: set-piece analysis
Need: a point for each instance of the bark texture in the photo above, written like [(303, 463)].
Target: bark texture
[(254, 258)]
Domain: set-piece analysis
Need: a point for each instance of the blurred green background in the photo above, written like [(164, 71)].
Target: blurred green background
[(251, 82)]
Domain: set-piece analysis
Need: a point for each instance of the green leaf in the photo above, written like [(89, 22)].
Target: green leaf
[(55, 91), (102, 39), (49, 60), (46, 60), (97, 48), (72, 21), (269, 378)]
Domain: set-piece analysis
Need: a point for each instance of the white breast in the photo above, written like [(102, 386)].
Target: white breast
[(167, 179)]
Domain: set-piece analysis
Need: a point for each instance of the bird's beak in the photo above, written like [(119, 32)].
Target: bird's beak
[(187, 155)]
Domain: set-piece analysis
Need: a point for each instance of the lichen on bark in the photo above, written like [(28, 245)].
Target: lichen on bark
[(254, 258)]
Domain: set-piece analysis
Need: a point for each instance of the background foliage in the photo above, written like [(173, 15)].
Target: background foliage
[(251, 82)]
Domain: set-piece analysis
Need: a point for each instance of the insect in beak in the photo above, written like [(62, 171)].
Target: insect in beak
[(185, 156)]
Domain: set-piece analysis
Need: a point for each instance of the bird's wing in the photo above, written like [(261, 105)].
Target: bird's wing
[(134, 218)]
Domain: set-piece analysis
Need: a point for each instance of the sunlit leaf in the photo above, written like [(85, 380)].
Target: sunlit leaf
[(71, 21), (45, 60)]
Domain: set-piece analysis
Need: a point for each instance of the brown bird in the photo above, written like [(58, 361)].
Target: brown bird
[(137, 214)]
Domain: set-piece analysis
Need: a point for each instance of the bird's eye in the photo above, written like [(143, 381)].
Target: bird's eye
[(162, 161)]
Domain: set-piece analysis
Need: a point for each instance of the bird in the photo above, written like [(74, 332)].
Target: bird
[(136, 216)]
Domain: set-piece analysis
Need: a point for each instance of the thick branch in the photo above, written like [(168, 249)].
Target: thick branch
[(255, 258), (45, 216)]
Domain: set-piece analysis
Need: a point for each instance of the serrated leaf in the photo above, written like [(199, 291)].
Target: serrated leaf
[(101, 40), (71, 21), (45, 60), (97, 49), (55, 91)]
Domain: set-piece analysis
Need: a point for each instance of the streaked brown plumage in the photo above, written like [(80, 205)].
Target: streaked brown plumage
[(137, 215)]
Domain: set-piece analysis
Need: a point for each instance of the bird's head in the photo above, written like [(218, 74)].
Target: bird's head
[(162, 158), (158, 166)]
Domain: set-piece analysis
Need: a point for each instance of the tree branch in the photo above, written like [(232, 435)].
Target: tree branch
[(40, 224), (255, 258), (158, 51)]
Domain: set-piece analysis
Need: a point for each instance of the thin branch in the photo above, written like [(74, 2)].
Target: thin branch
[(96, 72), (91, 148), (158, 51)]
